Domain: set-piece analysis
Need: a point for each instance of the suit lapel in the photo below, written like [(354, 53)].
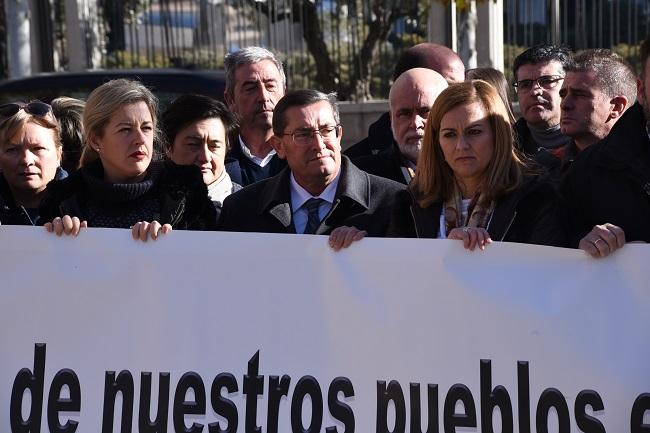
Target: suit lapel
[(276, 201), (352, 197), (502, 217), (627, 147), (426, 220)]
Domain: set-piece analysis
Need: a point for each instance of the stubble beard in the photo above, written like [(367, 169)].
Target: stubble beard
[(411, 151)]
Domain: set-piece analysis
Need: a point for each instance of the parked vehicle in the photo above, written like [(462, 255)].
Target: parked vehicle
[(165, 83)]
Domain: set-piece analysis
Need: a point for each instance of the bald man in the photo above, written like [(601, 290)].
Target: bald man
[(410, 100), (435, 57), (426, 55)]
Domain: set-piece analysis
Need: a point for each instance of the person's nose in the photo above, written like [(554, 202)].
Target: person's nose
[(318, 142), (462, 143), (417, 121), (536, 88), (140, 136), (567, 103), (204, 155), (263, 94), (26, 157)]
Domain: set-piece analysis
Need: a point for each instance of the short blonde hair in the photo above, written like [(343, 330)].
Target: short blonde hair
[(104, 101), (10, 126), (434, 180)]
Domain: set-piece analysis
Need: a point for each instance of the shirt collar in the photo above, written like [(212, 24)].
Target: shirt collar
[(300, 195), (256, 159)]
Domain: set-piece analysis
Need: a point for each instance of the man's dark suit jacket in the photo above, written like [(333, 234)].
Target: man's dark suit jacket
[(387, 163), (362, 200), (380, 138)]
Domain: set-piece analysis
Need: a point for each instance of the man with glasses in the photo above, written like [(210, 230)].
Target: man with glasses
[(539, 72), (320, 189)]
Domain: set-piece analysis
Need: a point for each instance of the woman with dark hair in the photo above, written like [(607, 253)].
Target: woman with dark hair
[(470, 183), (195, 132), (118, 184), (30, 157)]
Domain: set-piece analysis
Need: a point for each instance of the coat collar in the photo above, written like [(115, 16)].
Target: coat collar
[(427, 220), (627, 140), (353, 191)]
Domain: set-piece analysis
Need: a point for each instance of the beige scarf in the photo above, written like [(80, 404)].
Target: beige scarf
[(478, 212)]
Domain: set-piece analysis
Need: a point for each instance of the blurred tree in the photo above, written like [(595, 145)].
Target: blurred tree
[(377, 22)]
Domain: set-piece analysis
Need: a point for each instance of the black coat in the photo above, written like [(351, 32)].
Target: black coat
[(387, 163), (529, 215), (609, 182), (380, 138), (361, 200), (183, 197)]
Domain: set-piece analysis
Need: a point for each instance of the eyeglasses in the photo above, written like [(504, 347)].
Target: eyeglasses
[(304, 136), (545, 82), (35, 108)]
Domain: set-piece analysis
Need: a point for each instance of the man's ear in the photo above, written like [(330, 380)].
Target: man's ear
[(619, 105), (278, 146), (230, 102)]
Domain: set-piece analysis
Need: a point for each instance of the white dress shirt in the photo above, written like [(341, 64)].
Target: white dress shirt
[(299, 197), (256, 159)]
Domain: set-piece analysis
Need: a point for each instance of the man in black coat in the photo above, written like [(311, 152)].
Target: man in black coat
[(598, 87), (319, 190), (539, 72), (607, 189), (609, 182), (411, 97)]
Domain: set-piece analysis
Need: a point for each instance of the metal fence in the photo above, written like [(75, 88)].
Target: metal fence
[(349, 46), (580, 24)]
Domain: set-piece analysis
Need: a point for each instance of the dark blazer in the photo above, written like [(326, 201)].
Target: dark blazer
[(380, 138), (249, 172), (609, 182), (387, 163), (362, 200), (530, 215)]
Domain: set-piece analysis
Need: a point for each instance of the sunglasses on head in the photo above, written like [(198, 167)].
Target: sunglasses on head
[(36, 108)]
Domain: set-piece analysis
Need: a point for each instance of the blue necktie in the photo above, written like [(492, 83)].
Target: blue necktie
[(313, 220)]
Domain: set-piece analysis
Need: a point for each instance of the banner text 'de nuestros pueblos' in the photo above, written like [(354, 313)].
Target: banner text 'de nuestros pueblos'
[(227, 332)]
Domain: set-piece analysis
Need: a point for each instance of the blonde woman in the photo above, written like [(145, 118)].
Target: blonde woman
[(118, 184), (30, 157)]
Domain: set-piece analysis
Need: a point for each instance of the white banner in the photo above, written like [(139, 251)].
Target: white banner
[(227, 332)]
